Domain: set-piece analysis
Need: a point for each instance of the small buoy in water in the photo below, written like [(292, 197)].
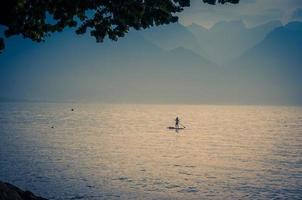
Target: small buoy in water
[(72, 109)]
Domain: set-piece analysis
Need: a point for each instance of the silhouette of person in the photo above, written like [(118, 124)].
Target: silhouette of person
[(177, 122)]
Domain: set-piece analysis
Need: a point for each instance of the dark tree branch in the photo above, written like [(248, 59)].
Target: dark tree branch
[(37, 19)]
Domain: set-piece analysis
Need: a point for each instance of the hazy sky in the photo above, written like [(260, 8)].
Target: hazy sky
[(252, 12)]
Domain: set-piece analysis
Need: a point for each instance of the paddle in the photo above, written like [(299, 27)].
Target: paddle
[(182, 125)]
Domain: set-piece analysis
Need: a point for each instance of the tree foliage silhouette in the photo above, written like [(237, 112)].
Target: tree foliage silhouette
[(37, 19)]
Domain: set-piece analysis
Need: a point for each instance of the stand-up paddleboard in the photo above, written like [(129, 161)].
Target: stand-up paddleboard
[(176, 128)]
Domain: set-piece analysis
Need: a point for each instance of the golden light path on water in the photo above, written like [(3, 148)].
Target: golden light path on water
[(126, 151)]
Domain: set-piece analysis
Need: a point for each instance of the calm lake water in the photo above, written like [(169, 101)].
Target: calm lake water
[(126, 151)]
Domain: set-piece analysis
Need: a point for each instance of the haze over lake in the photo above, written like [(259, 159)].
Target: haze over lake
[(103, 151)]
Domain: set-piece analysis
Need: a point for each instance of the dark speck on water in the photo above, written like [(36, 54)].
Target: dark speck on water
[(77, 197), (189, 190)]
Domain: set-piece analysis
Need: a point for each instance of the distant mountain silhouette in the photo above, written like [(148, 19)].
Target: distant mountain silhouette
[(172, 36), (280, 47), (133, 68), (227, 40), (274, 65), (163, 66)]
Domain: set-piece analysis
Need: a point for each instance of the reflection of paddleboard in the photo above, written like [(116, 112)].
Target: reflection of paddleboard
[(175, 128)]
